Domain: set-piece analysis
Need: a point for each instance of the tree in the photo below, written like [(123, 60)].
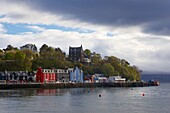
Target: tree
[(115, 62), (27, 64), (51, 57), (43, 50), (88, 70), (124, 62), (107, 69), (60, 54), (87, 52), (2, 54), (96, 58), (2, 65), (9, 56), (1, 51), (9, 48), (36, 63), (30, 54), (19, 58)]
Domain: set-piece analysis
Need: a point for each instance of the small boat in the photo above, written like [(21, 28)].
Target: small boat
[(153, 83)]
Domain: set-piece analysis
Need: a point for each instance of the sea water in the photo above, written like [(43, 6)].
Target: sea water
[(154, 99)]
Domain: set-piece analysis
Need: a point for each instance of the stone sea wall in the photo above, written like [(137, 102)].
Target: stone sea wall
[(76, 85)]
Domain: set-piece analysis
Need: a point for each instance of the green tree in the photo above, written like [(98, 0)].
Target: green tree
[(2, 65), (124, 62), (1, 51), (9, 48), (19, 58), (30, 54), (87, 52), (9, 56), (87, 69), (36, 63), (60, 54), (51, 57), (2, 54), (43, 51), (95, 58), (27, 64), (115, 62), (107, 69)]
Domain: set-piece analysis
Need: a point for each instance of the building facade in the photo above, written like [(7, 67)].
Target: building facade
[(76, 54), (45, 75), (62, 75), (31, 47), (15, 77), (76, 75), (98, 78), (116, 79)]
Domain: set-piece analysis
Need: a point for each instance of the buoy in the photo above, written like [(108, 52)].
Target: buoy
[(99, 95), (143, 94)]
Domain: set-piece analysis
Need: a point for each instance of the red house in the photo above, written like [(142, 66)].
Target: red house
[(45, 75)]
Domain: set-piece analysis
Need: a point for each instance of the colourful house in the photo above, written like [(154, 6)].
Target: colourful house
[(45, 75), (62, 75), (16, 77), (76, 75)]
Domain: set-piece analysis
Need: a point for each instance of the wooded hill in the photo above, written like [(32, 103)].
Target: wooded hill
[(13, 59)]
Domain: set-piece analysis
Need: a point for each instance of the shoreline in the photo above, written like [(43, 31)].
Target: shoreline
[(76, 85)]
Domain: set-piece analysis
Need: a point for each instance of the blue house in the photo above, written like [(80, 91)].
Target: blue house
[(76, 75), (2, 76)]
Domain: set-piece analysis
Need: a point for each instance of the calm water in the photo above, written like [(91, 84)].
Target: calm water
[(79, 100)]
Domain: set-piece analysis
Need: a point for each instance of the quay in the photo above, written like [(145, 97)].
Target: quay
[(76, 85)]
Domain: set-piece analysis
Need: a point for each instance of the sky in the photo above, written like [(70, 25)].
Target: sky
[(135, 30)]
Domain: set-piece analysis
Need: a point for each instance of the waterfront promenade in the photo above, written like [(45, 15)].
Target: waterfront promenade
[(76, 85)]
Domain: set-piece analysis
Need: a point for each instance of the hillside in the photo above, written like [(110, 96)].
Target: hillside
[(13, 59)]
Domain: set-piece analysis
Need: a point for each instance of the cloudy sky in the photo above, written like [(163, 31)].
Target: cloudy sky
[(135, 30)]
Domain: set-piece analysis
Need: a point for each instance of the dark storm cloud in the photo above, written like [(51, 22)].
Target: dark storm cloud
[(159, 28), (111, 12)]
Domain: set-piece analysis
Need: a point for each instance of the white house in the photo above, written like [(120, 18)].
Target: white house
[(99, 78), (116, 79)]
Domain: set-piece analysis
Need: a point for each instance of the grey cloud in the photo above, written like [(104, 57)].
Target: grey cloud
[(158, 28), (112, 12), (154, 59), (16, 16), (158, 47), (152, 15)]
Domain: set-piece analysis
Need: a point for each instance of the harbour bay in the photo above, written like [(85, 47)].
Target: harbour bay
[(76, 100)]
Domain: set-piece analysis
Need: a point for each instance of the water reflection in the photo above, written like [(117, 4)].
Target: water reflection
[(46, 92), (134, 93), (60, 92), (16, 93), (86, 100)]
